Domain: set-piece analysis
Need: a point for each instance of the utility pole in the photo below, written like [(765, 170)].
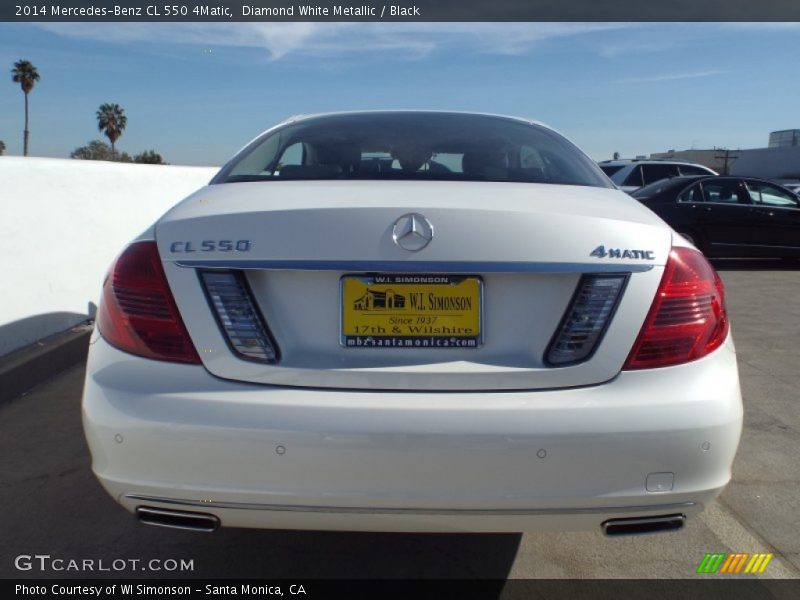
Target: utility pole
[(728, 159)]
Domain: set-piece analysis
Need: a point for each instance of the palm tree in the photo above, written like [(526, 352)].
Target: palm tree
[(111, 120), (26, 75)]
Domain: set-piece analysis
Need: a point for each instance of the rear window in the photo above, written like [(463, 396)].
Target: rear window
[(610, 170), (653, 173), (692, 170), (634, 178), (420, 146)]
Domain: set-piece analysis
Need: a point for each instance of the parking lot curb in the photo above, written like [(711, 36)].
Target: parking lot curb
[(27, 367)]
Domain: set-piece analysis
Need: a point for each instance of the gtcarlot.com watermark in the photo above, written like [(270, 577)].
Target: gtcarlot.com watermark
[(47, 563)]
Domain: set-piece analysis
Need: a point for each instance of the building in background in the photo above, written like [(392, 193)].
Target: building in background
[(713, 159), (780, 161), (782, 139)]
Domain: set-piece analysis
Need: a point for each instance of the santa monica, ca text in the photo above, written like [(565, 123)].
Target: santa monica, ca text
[(159, 590)]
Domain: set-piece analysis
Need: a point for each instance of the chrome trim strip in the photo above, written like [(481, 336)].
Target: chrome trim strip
[(210, 504), (379, 266)]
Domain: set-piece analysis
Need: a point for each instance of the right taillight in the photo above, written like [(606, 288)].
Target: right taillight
[(687, 320)]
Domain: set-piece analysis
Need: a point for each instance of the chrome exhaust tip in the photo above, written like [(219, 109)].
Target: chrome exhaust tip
[(177, 519), (643, 525)]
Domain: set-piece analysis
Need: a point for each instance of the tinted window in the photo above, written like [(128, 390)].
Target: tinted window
[(769, 195), (434, 146), (690, 170), (693, 194), (293, 155), (653, 173), (722, 191), (635, 177), (609, 170)]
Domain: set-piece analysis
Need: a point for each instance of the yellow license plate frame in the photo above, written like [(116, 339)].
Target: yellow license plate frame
[(401, 310)]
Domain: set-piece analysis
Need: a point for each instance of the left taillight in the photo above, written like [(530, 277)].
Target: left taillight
[(138, 314)]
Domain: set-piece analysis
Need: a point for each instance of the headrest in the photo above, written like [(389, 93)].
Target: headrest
[(309, 171), (411, 156), (481, 162), (343, 154)]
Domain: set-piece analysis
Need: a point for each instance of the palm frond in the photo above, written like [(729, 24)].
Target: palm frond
[(25, 74)]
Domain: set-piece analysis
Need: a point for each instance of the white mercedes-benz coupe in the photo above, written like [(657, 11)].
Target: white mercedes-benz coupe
[(412, 321)]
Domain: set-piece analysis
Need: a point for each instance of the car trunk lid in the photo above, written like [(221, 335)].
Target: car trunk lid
[(521, 249)]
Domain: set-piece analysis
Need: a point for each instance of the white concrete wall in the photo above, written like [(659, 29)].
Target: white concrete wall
[(62, 222)]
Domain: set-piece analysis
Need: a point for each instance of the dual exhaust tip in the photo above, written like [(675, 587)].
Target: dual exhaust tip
[(177, 519), (643, 525), (195, 521)]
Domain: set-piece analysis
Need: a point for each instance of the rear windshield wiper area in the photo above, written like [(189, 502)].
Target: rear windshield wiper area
[(332, 172)]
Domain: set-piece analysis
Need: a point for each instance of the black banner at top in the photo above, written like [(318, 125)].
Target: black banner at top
[(399, 10)]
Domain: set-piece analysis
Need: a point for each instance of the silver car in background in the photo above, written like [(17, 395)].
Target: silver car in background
[(631, 174)]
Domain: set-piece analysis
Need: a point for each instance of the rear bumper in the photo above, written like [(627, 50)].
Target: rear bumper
[(175, 437)]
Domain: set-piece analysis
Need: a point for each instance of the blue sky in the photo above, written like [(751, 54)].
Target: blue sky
[(198, 92)]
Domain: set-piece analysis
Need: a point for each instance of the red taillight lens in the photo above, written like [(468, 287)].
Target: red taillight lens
[(138, 314), (687, 320)]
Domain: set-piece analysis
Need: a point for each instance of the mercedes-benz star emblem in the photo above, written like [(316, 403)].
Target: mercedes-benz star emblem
[(412, 232)]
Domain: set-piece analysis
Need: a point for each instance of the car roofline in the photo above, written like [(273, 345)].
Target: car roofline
[(303, 117), (622, 162), (684, 178), (675, 181)]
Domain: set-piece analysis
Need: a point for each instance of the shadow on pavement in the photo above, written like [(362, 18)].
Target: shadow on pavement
[(295, 554)]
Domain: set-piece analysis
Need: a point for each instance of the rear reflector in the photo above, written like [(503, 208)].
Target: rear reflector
[(586, 319), (244, 328), (687, 320), (137, 313)]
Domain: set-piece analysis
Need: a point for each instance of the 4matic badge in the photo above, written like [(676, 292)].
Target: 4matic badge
[(602, 252)]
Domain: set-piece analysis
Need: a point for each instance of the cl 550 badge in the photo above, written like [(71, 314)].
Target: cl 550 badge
[(211, 246), (602, 252)]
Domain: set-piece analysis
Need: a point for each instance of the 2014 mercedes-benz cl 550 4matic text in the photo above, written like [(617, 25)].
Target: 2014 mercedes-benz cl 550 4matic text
[(412, 321)]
